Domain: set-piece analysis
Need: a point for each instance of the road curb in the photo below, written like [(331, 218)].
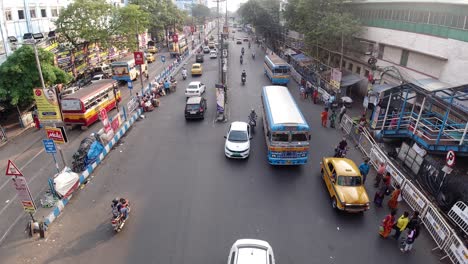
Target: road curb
[(63, 202)]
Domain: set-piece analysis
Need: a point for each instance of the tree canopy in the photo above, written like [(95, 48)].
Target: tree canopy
[(200, 12), (100, 22), (323, 22), (19, 75)]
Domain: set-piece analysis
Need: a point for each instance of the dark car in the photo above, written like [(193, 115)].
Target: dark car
[(199, 58), (195, 107)]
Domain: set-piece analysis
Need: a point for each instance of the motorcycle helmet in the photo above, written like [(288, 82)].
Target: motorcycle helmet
[(115, 201)]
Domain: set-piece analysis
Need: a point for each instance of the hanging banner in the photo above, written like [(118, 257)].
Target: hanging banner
[(104, 119), (47, 105)]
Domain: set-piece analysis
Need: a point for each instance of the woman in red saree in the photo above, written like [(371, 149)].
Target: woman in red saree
[(393, 202), (387, 224)]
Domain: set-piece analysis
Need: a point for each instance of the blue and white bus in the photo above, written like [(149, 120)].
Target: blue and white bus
[(277, 70), (287, 133)]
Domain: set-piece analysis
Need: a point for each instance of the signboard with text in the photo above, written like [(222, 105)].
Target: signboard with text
[(104, 119), (57, 134), (47, 105), (138, 56), (24, 195)]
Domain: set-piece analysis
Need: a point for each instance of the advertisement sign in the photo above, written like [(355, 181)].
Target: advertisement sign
[(335, 79), (138, 56), (24, 195), (104, 119), (57, 134), (220, 100), (115, 124), (47, 105)]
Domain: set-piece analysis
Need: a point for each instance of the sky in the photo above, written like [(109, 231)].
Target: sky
[(233, 5)]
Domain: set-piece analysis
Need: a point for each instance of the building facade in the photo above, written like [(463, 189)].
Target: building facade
[(19, 17), (422, 39)]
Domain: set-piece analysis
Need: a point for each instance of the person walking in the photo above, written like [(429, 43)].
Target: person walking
[(380, 193), (387, 224), (395, 197), (324, 116), (342, 112), (400, 225), (332, 118), (412, 235), (364, 169), (380, 174), (415, 221), (315, 95)]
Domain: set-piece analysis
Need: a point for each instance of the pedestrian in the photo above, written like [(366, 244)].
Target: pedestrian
[(37, 122), (395, 197), (315, 95), (342, 112), (167, 86), (412, 235), (332, 118), (380, 193), (364, 169), (387, 224), (400, 225), (415, 221), (379, 175), (324, 116)]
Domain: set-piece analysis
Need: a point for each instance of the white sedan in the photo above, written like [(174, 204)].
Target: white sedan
[(237, 143), (213, 54), (195, 89), (247, 251)]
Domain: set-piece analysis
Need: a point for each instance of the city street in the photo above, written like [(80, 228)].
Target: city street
[(190, 203), (27, 151)]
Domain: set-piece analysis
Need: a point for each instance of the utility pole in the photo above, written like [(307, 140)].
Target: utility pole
[(141, 65)]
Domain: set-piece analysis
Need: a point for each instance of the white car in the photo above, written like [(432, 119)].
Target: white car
[(213, 54), (195, 89), (97, 77), (247, 251), (237, 143)]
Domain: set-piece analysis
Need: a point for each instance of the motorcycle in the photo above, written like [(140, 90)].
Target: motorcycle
[(184, 75), (241, 60), (253, 56), (118, 221), (340, 153), (252, 122), (243, 80)]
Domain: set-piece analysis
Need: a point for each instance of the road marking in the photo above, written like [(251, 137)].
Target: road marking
[(22, 167)]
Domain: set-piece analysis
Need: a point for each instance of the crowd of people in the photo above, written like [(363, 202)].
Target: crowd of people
[(150, 99)]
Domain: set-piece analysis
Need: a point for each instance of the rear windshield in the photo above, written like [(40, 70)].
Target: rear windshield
[(193, 86), (297, 137), (349, 180), (192, 107), (280, 137), (195, 67)]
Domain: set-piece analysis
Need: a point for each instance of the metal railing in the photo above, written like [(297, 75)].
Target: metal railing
[(444, 236)]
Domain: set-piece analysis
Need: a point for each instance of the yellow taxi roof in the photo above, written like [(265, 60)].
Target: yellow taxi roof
[(344, 167)]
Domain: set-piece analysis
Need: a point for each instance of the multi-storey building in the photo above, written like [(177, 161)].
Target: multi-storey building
[(423, 39), (23, 17)]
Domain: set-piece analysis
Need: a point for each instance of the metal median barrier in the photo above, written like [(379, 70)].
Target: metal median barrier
[(444, 236)]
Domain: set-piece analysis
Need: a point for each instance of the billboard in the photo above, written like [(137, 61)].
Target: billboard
[(47, 105)]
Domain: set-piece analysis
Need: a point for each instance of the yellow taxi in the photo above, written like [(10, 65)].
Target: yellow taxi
[(344, 184), (150, 58), (197, 69), (152, 49)]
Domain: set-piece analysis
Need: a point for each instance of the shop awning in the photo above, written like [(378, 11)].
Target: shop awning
[(350, 79), (379, 88)]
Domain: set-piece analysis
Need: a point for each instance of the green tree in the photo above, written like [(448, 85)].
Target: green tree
[(127, 22), (86, 20), (19, 75), (323, 22)]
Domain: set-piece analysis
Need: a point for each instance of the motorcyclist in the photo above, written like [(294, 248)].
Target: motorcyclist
[(242, 50), (341, 148), (253, 54), (244, 75), (115, 207), (253, 115), (241, 59), (249, 44), (124, 208), (184, 72)]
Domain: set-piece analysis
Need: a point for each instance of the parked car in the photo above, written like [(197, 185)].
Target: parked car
[(69, 90), (246, 40), (196, 69), (195, 108), (248, 251), (97, 77), (199, 58), (238, 41), (150, 57), (211, 45), (237, 143), (344, 184), (206, 49), (213, 54), (195, 89)]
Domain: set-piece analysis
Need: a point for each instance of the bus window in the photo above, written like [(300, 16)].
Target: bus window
[(298, 137), (280, 137)]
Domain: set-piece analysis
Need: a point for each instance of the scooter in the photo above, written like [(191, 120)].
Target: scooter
[(340, 153), (118, 222)]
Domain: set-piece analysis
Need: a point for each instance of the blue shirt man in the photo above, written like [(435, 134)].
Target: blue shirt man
[(167, 85), (364, 169)]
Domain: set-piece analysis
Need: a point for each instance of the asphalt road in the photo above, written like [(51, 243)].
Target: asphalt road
[(190, 203)]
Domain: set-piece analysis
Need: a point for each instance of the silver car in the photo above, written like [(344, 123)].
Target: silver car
[(248, 251)]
